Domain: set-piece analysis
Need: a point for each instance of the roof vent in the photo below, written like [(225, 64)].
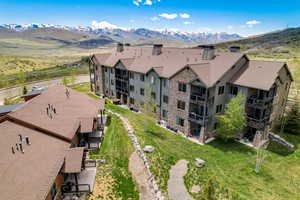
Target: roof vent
[(157, 49), (120, 47), (27, 140), (208, 52), (67, 93), (235, 49), (127, 44)]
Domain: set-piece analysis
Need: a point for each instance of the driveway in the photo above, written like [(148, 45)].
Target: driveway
[(18, 90)]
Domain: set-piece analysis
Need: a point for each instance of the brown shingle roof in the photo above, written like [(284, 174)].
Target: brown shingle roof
[(28, 175), (68, 110), (258, 74), (86, 124), (73, 160), (170, 61)]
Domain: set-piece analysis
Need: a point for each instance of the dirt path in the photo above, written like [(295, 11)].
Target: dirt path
[(176, 187), (136, 167)]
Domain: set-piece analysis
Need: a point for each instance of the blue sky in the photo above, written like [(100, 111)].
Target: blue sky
[(233, 16)]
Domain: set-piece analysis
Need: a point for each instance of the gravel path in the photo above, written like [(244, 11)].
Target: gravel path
[(176, 187), (136, 167)]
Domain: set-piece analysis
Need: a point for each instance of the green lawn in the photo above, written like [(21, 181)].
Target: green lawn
[(116, 150), (230, 165)]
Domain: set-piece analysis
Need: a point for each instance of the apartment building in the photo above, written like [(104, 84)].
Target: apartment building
[(191, 86), (43, 145)]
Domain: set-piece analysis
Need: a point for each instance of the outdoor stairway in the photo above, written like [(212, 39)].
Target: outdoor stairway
[(280, 140)]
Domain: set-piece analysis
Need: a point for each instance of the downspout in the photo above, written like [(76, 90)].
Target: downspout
[(160, 101)]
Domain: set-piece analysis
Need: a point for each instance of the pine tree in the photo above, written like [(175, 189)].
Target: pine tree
[(233, 121)]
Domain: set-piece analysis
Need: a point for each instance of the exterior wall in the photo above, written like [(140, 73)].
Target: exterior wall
[(185, 76), (98, 79), (280, 99), (136, 95), (165, 91), (59, 180)]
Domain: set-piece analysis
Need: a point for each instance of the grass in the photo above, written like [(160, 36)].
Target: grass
[(231, 164), (116, 150)]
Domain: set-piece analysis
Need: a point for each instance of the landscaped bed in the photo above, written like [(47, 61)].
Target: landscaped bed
[(229, 165)]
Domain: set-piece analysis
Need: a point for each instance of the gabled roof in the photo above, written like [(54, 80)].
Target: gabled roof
[(28, 175), (170, 61), (9, 108), (258, 74), (66, 120)]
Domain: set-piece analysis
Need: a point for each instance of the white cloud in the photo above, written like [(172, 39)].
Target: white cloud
[(184, 15), (252, 23), (148, 2), (229, 27), (137, 2), (168, 16), (188, 22), (154, 18)]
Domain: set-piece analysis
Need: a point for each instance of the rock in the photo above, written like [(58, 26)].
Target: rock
[(196, 189), (199, 162), (148, 149)]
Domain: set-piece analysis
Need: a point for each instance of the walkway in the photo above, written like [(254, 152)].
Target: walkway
[(176, 186), (136, 167)]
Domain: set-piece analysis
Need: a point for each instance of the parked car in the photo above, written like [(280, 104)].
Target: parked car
[(36, 87)]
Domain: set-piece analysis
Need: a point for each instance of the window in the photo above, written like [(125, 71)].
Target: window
[(152, 80), (215, 125), (111, 70), (179, 121), (165, 114), (221, 90), (131, 75), (142, 91), (112, 82), (182, 87), (142, 77), (131, 88), (181, 105), (219, 108), (105, 70), (131, 100), (165, 99), (234, 90), (53, 191), (153, 95)]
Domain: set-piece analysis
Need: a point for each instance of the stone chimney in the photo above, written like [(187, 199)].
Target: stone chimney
[(235, 49), (120, 47), (157, 49), (208, 52)]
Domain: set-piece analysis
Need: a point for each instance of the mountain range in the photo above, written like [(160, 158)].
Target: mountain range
[(139, 36)]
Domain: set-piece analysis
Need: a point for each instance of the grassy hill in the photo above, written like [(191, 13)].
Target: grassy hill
[(282, 44)]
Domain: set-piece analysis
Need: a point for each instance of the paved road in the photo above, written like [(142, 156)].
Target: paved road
[(18, 90)]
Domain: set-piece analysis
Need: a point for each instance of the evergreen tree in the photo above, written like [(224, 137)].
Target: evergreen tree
[(25, 90), (233, 121), (292, 124)]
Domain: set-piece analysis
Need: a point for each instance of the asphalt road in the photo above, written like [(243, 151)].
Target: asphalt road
[(18, 90)]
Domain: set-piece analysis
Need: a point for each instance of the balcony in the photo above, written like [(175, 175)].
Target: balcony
[(122, 89), (197, 98), (79, 183), (258, 123), (194, 117), (121, 77)]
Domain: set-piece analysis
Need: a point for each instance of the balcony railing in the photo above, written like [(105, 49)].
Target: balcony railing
[(75, 189), (261, 103), (196, 117), (258, 123), (121, 77), (197, 98), (122, 89)]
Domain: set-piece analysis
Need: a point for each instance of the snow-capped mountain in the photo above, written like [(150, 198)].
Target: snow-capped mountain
[(121, 34)]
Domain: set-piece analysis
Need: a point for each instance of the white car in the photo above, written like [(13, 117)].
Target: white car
[(36, 87)]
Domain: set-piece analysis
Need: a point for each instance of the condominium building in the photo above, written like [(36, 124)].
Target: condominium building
[(191, 86)]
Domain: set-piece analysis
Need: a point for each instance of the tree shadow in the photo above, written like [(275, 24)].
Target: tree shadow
[(231, 145)]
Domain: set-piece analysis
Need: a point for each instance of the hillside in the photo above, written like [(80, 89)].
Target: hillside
[(282, 44)]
